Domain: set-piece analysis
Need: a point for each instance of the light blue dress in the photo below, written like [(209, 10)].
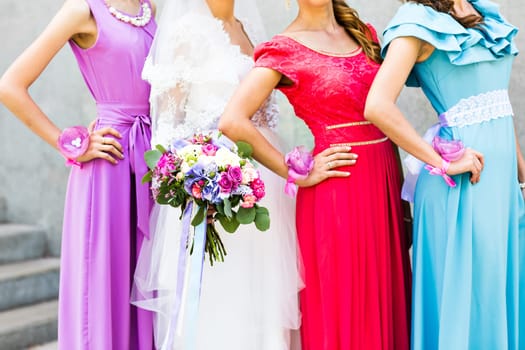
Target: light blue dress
[(466, 239)]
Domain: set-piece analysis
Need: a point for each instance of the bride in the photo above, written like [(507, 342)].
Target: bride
[(249, 302)]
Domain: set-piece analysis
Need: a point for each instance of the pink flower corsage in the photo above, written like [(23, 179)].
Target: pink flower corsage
[(450, 150), (300, 162), (72, 143)]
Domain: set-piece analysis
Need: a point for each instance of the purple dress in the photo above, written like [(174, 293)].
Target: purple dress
[(107, 207)]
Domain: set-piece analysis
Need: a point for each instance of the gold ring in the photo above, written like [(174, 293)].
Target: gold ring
[(329, 164)]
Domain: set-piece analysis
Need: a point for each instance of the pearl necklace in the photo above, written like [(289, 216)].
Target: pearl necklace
[(138, 21)]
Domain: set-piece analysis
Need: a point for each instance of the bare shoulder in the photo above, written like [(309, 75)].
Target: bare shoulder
[(153, 7), (78, 10), (78, 16)]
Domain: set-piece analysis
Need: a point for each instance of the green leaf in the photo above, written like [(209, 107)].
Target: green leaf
[(245, 149), (246, 215), (229, 224), (261, 210), (162, 199), (227, 207), (147, 177), (199, 217), (220, 208), (152, 158), (161, 149), (262, 221)]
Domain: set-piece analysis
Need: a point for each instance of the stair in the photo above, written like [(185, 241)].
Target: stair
[(28, 287), (28, 282), (24, 327), (3, 210), (48, 346), (21, 242)]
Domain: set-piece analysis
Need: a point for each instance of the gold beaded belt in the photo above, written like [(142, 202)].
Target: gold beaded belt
[(355, 143), (359, 143), (345, 125)]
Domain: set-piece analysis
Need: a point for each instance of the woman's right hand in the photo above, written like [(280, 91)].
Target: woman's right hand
[(472, 161), (102, 144), (325, 162)]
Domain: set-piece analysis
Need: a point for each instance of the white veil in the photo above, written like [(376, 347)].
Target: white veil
[(189, 93), (166, 66)]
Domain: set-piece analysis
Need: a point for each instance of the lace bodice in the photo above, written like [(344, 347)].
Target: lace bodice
[(328, 91), (191, 88)]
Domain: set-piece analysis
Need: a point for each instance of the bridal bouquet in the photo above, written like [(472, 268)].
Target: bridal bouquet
[(217, 176)]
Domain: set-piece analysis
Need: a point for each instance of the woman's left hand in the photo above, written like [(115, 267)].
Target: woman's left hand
[(102, 146), (326, 163)]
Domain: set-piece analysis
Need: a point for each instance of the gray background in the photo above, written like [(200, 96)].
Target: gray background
[(32, 175)]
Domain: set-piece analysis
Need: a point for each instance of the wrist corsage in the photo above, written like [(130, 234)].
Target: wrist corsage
[(450, 150), (72, 143), (300, 162)]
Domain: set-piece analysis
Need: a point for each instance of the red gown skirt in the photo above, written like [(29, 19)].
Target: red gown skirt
[(355, 252)]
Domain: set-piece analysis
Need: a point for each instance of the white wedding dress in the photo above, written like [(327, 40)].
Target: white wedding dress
[(250, 301)]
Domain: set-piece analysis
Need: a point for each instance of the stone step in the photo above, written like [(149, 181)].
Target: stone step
[(21, 242), (3, 209), (28, 282), (48, 346), (28, 326)]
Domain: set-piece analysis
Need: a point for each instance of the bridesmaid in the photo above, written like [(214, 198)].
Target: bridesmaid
[(466, 237), (107, 208), (350, 227)]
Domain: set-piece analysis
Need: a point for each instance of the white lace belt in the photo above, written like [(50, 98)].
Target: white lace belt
[(476, 109), (473, 110)]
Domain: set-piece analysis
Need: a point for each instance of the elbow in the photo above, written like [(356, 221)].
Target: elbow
[(227, 127), (373, 110), (9, 90), (4, 90)]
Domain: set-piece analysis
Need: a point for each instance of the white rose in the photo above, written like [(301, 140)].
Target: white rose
[(249, 173), (225, 157), (185, 167)]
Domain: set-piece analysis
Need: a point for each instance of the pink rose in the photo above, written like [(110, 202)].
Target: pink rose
[(248, 201), (196, 191), (209, 149), (450, 150), (235, 175), (225, 183)]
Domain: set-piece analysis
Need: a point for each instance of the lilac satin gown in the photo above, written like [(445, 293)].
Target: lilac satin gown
[(107, 208)]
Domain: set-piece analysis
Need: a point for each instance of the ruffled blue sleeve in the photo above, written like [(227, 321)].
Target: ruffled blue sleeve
[(492, 41)]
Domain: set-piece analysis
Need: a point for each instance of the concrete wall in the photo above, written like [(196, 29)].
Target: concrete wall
[(32, 175)]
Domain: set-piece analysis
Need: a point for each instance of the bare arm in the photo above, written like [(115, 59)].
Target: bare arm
[(73, 20), (381, 108), (236, 124), (153, 8), (521, 161)]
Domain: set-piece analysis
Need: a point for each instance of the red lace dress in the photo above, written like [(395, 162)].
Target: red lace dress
[(350, 230)]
